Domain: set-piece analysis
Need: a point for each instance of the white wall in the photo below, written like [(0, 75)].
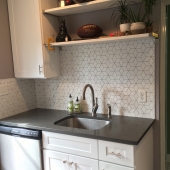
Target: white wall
[(6, 62)]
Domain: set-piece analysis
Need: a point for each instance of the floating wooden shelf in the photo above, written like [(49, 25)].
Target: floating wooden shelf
[(84, 7), (104, 40)]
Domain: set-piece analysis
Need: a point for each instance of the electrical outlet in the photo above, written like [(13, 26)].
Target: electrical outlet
[(142, 96), (3, 90)]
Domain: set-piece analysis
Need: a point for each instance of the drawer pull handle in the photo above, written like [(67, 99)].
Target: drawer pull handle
[(117, 154), (71, 163), (64, 162)]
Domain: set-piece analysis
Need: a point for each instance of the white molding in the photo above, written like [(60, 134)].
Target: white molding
[(162, 81)]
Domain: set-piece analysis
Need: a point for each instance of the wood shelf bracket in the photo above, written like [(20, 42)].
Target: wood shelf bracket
[(50, 40)]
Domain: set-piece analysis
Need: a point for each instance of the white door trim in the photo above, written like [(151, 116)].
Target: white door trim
[(162, 81)]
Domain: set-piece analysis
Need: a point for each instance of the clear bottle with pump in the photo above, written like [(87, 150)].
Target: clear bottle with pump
[(77, 106), (70, 106)]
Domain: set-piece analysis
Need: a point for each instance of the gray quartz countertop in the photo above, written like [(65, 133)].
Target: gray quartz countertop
[(122, 129)]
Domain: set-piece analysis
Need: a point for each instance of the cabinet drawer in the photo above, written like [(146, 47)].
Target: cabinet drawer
[(116, 153), (109, 166), (70, 144)]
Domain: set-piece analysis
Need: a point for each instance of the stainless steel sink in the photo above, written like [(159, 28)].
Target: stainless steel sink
[(82, 123)]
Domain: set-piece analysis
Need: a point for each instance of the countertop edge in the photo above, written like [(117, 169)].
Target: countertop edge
[(79, 135)]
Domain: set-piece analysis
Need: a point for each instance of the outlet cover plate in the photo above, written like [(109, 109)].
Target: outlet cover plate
[(142, 96)]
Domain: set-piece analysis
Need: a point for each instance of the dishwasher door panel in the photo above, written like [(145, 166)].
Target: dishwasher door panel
[(20, 153), (7, 153)]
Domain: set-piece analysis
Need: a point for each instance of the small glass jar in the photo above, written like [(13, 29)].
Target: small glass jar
[(62, 3)]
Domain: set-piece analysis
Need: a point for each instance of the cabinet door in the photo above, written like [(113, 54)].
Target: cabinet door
[(108, 166), (80, 163), (26, 38), (55, 160)]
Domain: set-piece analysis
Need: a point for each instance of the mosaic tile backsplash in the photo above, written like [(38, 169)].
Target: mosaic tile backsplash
[(20, 97), (117, 71)]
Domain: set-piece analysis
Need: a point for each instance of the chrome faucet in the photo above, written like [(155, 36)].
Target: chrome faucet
[(94, 105)]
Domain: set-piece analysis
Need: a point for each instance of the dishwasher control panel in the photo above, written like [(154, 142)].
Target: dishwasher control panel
[(24, 132), (21, 132)]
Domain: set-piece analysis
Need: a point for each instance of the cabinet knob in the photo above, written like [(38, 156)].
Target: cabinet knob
[(71, 163), (64, 162)]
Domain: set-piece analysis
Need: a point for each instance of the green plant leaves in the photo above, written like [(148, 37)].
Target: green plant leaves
[(124, 13), (118, 15)]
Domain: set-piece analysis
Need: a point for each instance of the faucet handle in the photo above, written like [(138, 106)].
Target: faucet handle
[(95, 107), (109, 110)]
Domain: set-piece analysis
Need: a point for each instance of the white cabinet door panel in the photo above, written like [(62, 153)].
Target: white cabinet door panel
[(70, 144), (80, 163), (55, 160), (108, 166), (26, 37)]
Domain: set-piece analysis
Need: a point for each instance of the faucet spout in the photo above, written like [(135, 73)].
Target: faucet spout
[(92, 91), (94, 106)]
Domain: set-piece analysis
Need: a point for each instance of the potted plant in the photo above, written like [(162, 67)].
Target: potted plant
[(119, 16), (137, 21), (149, 9)]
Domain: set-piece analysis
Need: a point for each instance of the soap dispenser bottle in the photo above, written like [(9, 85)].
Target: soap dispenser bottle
[(77, 106), (70, 104)]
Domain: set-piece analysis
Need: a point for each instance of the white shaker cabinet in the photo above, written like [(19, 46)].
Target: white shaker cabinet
[(30, 30), (60, 161), (78, 153)]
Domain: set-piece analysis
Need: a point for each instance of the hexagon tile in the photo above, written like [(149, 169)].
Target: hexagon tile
[(20, 97), (117, 71)]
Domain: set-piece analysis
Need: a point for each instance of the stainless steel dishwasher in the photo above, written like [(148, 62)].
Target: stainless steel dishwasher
[(20, 149)]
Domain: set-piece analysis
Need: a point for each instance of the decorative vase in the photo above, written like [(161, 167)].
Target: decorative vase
[(149, 29), (63, 35), (138, 28), (125, 27)]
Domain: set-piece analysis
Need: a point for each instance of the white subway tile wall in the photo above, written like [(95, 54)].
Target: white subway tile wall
[(117, 71), (20, 97)]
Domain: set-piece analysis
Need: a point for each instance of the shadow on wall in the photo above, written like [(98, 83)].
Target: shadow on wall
[(117, 99)]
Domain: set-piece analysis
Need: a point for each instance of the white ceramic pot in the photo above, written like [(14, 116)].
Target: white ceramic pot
[(124, 27), (138, 28)]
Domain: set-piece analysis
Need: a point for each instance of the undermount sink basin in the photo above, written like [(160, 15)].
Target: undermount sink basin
[(82, 123)]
